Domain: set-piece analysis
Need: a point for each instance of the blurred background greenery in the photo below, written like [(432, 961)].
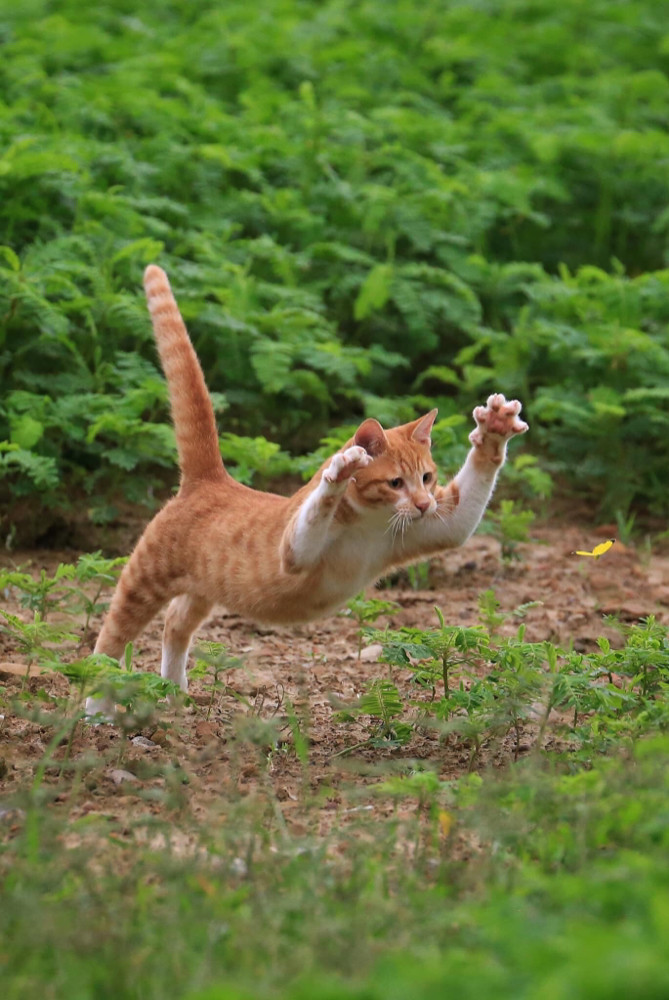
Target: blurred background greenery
[(365, 208)]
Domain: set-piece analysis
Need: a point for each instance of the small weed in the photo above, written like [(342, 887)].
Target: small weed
[(509, 524), (36, 640), (42, 594), (212, 661), (366, 610), (491, 617), (431, 653), (93, 574), (381, 701), (419, 575)]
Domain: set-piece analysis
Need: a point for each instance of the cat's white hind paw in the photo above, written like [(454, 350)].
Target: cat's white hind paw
[(100, 710), (498, 417), (345, 464)]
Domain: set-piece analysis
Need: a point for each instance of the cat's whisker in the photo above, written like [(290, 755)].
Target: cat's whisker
[(397, 525), (403, 519)]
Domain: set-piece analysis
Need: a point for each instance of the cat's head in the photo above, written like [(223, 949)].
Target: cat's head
[(402, 475)]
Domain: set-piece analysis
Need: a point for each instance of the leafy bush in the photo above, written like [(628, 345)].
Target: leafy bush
[(364, 208), (611, 694)]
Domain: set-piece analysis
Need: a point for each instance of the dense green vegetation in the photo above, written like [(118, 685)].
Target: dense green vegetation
[(567, 898), (364, 208)]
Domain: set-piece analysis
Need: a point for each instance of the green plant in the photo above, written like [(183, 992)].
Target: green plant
[(419, 575), (42, 594), (382, 701), (298, 731), (526, 682), (525, 471), (365, 610), (509, 524), (93, 574), (35, 639), (491, 617), (76, 588), (368, 233), (432, 653), (644, 660), (212, 661), (625, 524), (467, 713), (252, 457)]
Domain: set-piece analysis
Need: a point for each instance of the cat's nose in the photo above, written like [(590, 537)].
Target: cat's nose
[(422, 505)]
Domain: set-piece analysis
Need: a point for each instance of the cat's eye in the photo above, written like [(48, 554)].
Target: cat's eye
[(427, 477), (396, 483)]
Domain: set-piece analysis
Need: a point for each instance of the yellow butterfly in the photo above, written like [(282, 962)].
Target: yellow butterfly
[(598, 550)]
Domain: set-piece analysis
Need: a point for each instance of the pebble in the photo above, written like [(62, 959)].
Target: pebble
[(142, 741), (118, 776), (11, 813), (160, 737)]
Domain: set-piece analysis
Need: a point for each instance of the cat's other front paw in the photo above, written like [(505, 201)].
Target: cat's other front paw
[(345, 464), (499, 416), (496, 423)]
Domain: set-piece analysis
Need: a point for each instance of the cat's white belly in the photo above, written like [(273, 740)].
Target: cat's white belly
[(348, 570)]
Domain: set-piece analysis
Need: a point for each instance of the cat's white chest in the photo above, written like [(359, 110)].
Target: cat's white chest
[(352, 563)]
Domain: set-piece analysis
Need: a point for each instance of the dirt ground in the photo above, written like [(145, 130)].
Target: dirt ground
[(312, 668)]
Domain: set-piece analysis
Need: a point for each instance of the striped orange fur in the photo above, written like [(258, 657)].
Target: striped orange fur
[(374, 505)]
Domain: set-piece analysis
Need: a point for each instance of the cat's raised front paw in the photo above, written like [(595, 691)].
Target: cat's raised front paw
[(345, 464), (499, 417)]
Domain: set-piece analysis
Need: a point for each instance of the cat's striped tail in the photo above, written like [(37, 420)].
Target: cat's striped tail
[(192, 412)]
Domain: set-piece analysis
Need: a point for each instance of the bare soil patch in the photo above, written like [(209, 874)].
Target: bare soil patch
[(306, 670)]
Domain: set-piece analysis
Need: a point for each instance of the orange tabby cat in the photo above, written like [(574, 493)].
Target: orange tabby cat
[(375, 504)]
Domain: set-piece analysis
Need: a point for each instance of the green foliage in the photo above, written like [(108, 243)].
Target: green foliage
[(363, 209), (564, 896), (383, 702), (73, 588), (212, 661), (365, 610), (509, 523), (490, 615), (93, 574), (138, 692), (436, 650), (42, 594), (35, 639), (612, 694), (524, 473), (254, 456)]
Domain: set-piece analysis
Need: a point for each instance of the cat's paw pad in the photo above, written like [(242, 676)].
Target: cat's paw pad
[(500, 417), (345, 464)]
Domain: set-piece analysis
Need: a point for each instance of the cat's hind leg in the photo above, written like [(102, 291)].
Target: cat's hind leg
[(183, 616), (140, 594)]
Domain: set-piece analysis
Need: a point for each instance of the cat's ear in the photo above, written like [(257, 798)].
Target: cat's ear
[(421, 429), (370, 436)]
